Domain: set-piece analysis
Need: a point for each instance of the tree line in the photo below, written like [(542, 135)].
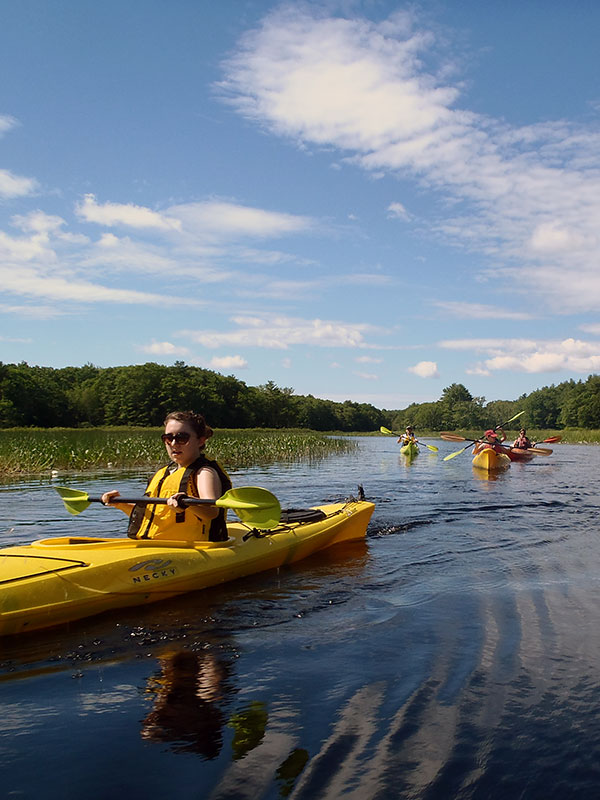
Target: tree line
[(142, 395), (571, 404)]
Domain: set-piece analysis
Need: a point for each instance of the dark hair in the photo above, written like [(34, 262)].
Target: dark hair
[(195, 421)]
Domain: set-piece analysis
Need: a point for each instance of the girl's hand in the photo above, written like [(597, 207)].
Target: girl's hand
[(108, 497), (173, 501)]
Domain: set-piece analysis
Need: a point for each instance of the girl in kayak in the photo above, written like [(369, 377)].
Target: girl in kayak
[(407, 436), (491, 439), (189, 473), (522, 442)]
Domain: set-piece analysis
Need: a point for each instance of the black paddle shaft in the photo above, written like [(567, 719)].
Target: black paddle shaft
[(152, 501)]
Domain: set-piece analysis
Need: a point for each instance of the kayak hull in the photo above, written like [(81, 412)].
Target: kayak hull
[(410, 450), (53, 581), (488, 459), (516, 454)]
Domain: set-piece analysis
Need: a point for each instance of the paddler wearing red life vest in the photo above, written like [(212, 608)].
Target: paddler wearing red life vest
[(491, 439)]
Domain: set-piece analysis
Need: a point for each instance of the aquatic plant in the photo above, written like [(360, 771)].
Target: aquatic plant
[(37, 450)]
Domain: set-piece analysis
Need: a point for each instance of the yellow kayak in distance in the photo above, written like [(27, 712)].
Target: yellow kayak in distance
[(410, 449), (490, 460), (58, 580)]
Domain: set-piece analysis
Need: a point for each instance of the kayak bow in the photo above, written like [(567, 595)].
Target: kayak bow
[(53, 581)]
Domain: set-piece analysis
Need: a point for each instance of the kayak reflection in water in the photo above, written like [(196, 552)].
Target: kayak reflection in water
[(491, 439), (186, 712), (189, 473), (522, 442)]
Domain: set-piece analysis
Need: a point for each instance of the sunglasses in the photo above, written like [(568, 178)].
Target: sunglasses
[(178, 438)]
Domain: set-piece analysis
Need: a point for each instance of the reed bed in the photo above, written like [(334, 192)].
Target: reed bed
[(39, 451)]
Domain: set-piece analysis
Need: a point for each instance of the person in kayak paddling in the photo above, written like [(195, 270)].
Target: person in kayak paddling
[(522, 442), (189, 473), (490, 439), (407, 436)]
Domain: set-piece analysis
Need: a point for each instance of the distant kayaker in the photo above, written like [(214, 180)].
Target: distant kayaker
[(522, 442), (189, 473), (491, 439), (407, 436)]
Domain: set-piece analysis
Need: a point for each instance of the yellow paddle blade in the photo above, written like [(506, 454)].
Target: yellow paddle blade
[(387, 431), (457, 453), (255, 507), (74, 500)]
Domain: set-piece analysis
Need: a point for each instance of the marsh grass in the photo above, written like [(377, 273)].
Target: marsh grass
[(38, 451)]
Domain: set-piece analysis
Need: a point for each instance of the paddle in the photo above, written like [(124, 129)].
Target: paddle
[(255, 507), (391, 433), (473, 441), (458, 452), (454, 437)]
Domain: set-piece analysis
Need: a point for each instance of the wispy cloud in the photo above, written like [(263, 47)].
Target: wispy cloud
[(7, 123), (398, 211), (480, 311), (274, 331), (218, 220), (366, 376), (530, 356), (12, 185), (528, 197), (33, 312), (126, 214)]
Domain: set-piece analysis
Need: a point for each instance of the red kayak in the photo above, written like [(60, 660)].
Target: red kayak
[(517, 454)]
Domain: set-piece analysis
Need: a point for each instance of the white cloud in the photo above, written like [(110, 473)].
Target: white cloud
[(398, 211), (126, 214), (30, 282), (38, 222), (12, 185), (33, 312), (425, 369), (7, 123), (273, 331), (223, 220), (164, 349), (522, 355), (228, 362), (368, 360), (366, 376), (528, 196), (464, 310), (592, 328)]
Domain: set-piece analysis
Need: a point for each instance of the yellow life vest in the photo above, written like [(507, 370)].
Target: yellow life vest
[(149, 521)]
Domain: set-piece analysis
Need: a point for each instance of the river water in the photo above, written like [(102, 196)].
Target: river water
[(454, 654)]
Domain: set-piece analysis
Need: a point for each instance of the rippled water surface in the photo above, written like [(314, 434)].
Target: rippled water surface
[(454, 654)]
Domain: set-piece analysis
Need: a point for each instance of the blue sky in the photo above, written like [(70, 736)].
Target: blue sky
[(358, 200)]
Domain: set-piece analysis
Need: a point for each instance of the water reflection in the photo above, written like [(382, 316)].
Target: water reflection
[(187, 692)]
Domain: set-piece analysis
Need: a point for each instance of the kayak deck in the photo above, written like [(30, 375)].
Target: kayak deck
[(490, 460), (53, 581), (410, 450)]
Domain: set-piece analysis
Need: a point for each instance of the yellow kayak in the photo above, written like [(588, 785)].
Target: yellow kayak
[(410, 450), (53, 581), (489, 459)]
